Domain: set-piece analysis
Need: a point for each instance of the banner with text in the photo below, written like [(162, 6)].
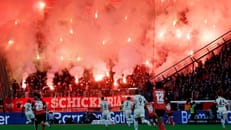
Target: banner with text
[(66, 104), (180, 117)]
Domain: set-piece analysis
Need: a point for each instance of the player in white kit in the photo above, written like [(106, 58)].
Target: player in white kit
[(222, 109), (139, 110), (127, 109), (106, 116), (47, 114), (27, 108)]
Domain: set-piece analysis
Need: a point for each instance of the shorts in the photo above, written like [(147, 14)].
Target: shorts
[(127, 114), (29, 115), (106, 115), (152, 117), (40, 118), (169, 114), (139, 113), (160, 112), (222, 110)]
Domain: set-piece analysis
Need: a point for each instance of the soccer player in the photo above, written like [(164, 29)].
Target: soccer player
[(47, 114), (127, 109), (151, 113), (169, 113), (139, 111), (159, 103), (221, 108), (106, 116), (40, 112), (27, 108)]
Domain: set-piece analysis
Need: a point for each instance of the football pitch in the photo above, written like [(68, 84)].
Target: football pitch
[(114, 127)]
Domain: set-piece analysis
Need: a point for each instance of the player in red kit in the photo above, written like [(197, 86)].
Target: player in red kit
[(151, 113), (169, 113), (40, 112), (159, 103)]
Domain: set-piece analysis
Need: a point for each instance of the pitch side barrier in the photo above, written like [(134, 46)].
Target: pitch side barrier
[(180, 117), (201, 104)]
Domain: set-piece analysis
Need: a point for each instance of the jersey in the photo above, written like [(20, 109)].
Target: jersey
[(28, 112), (127, 109), (127, 105), (168, 108), (159, 99), (39, 107), (105, 110), (139, 102), (221, 104), (104, 106), (150, 109), (28, 107)]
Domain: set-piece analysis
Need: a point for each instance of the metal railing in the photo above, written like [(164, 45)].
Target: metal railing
[(197, 55)]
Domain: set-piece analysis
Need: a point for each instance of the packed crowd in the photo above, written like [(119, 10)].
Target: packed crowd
[(65, 84), (201, 83)]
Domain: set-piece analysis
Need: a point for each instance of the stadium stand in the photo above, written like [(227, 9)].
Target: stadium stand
[(200, 76)]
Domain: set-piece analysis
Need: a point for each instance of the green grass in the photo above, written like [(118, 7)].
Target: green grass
[(115, 127)]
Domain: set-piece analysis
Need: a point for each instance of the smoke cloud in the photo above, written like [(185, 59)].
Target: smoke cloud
[(99, 34)]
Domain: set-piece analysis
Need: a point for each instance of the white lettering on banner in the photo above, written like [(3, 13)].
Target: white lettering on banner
[(110, 100), (78, 102), (114, 101), (57, 115), (57, 103), (201, 116), (61, 103), (84, 102), (73, 102), (184, 117), (118, 101), (118, 118), (63, 118), (54, 103), (93, 102), (4, 120), (229, 117)]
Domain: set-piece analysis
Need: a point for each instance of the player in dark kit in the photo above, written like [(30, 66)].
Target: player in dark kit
[(40, 112), (169, 113), (159, 103), (152, 116)]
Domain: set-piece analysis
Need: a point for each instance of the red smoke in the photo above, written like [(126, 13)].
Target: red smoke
[(79, 34)]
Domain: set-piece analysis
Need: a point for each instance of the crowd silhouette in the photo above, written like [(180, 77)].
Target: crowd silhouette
[(200, 83)]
